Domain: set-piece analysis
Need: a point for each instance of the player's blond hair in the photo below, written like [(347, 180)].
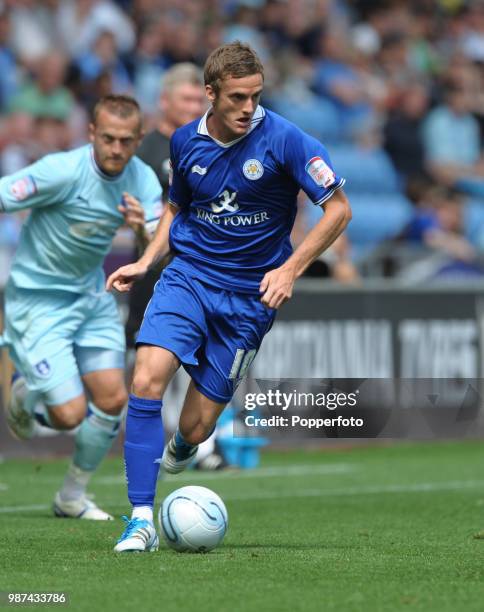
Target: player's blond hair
[(235, 60), (117, 104)]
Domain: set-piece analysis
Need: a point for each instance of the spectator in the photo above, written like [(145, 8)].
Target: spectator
[(452, 138), (45, 95), (403, 132), (80, 22), (103, 58), (9, 69), (438, 225)]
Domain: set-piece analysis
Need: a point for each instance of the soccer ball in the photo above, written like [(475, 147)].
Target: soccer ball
[(193, 519)]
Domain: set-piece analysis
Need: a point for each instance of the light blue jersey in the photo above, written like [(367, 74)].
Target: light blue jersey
[(74, 217), (60, 324)]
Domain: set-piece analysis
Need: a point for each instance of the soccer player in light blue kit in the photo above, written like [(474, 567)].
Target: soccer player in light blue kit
[(61, 327), (236, 175)]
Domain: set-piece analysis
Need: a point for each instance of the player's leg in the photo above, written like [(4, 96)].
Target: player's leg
[(38, 332), (197, 423), (236, 325), (98, 345), (143, 447), (170, 334), (98, 429)]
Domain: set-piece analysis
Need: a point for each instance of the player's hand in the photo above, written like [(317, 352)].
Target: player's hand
[(276, 287), (123, 278), (133, 213)]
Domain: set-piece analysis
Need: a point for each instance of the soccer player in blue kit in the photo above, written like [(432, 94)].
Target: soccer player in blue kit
[(61, 327), (232, 204)]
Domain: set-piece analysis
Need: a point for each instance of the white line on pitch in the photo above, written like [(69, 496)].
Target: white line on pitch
[(419, 487), (267, 472)]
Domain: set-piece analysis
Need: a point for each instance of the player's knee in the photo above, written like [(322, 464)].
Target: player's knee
[(69, 415), (145, 385), (114, 403)]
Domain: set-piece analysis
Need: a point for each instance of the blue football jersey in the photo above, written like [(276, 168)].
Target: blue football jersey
[(74, 217), (238, 200)]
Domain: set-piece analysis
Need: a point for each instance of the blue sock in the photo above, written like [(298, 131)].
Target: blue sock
[(143, 448), (183, 448)]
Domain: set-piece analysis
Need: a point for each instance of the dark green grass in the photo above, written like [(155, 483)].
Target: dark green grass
[(364, 529)]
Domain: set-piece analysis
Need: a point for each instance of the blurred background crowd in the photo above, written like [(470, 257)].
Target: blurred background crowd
[(393, 88)]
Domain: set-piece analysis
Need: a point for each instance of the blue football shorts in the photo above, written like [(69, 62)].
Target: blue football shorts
[(55, 337), (215, 333)]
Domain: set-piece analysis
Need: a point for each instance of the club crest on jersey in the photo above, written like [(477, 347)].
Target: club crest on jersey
[(320, 172), (253, 169), (43, 368), (22, 188)]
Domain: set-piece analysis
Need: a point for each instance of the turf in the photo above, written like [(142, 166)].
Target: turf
[(384, 528)]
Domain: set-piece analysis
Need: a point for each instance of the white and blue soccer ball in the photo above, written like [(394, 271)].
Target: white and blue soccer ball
[(193, 519)]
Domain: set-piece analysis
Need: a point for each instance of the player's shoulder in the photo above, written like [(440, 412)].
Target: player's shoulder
[(142, 170), (184, 135), (280, 128), (65, 164)]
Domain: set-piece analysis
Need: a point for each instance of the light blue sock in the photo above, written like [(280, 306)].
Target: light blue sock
[(95, 437)]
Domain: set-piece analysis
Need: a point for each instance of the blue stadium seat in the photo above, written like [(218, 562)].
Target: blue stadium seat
[(377, 218), (365, 170), (316, 116)]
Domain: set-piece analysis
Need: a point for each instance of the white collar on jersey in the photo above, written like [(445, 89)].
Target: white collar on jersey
[(259, 114)]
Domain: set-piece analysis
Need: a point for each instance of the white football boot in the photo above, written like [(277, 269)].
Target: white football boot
[(139, 536), (82, 508), (174, 461), (20, 421)]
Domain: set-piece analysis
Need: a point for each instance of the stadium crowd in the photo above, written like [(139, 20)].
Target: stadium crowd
[(394, 88)]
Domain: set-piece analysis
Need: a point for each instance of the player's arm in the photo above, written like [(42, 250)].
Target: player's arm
[(123, 278), (46, 182), (277, 285)]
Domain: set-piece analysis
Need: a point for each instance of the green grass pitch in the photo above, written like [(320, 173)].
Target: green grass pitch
[(375, 528)]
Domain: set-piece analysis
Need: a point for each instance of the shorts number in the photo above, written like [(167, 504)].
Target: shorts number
[(241, 364)]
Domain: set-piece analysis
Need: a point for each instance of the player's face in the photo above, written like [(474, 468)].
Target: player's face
[(184, 104), (115, 140), (234, 105)]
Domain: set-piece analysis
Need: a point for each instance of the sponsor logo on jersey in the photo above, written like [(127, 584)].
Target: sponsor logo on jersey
[(227, 202), (43, 368), (23, 188), (199, 170), (253, 169), (320, 172), (86, 229)]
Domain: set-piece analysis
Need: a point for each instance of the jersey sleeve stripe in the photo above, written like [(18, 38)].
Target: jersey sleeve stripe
[(173, 203), (340, 184)]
